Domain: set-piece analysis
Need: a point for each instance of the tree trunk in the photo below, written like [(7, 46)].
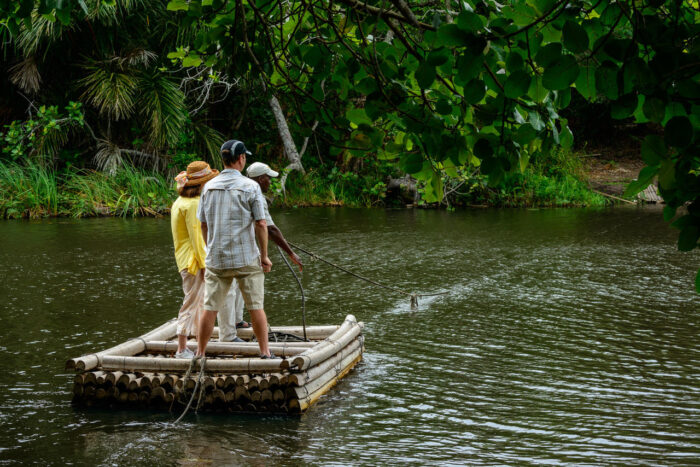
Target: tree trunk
[(290, 148)]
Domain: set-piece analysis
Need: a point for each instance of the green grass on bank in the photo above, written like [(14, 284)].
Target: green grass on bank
[(33, 191), (557, 178), (335, 188), (531, 189)]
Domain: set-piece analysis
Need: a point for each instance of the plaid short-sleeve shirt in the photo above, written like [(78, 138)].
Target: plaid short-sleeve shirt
[(229, 205)]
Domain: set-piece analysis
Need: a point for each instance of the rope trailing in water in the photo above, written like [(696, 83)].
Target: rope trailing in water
[(198, 385), (414, 296), (303, 297)]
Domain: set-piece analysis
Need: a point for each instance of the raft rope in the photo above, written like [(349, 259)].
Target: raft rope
[(414, 296), (198, 385), (303, 297)]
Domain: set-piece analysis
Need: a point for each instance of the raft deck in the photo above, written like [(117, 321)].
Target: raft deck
[(143, 372)]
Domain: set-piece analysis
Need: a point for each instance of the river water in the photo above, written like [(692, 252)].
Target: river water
[(565, 336)]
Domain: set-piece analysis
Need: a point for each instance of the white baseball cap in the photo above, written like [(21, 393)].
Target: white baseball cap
[(257, 169)]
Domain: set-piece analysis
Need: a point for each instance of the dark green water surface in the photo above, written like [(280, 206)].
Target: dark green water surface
[(566, 336)]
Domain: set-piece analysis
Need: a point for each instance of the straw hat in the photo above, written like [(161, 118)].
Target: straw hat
[(198, 173)]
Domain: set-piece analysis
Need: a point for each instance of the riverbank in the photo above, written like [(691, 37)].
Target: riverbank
[(34, 191)]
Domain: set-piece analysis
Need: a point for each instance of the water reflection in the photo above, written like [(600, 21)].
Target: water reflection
[(565, 336)]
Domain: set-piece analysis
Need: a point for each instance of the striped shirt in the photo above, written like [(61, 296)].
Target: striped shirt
[(230, 204)]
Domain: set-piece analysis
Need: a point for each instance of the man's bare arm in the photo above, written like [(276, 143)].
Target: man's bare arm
[(261, 237), (276, 235)]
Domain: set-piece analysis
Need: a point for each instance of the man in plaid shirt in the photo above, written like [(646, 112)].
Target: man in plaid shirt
[(232, 213)]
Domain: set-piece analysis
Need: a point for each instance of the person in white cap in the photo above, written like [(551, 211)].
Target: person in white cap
[(262, 173)]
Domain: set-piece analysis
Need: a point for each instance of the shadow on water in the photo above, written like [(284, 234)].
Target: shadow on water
[(565, 336)]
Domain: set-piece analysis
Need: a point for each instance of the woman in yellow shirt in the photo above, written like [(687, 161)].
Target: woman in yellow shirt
[(189, 249)]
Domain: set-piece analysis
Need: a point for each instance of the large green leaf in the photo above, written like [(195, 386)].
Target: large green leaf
[(560, 73), (624, 106), (653, 150), (606, 80), (451, 35), (574, 37), (474, 91), (425, 75), (411, 162), (646, 176), (585, 83), (688, 238), (517, 84), (469, 21), (678, 132), (358, 116), (548, 54), (654, 109)]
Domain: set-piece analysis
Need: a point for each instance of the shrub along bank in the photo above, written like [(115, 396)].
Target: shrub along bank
[(32, 190)]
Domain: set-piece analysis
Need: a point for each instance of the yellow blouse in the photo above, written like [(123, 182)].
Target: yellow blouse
[(187, 235)]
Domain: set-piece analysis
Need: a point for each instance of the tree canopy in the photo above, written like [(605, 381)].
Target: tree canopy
[(447, 86)]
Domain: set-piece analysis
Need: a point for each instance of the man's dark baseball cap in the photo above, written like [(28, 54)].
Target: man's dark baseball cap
[(236, 147)]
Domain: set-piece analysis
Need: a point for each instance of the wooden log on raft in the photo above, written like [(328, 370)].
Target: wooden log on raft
[(113, 376), (349, 330), (91, 377), (169, 381), (124, 380), (304, 377), (208, 383), (312, 332), (241, 394), (160, 364), (303, 397), (131, 347), (229, 382), (233, 348), (242, 380), (254, 383)]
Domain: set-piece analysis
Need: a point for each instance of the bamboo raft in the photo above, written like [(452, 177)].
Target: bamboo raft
[(143, 373)]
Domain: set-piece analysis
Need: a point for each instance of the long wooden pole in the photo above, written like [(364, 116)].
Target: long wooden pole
[(305, 377), (344, 328), (234, 348), (164, 365), (327, 349), (307, 395), (312, 332), (132, 347)]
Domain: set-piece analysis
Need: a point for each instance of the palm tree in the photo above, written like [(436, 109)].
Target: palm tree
[(115, 62)]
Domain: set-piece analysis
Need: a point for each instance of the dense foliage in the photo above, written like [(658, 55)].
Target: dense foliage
[(110, 69), (447, 88)]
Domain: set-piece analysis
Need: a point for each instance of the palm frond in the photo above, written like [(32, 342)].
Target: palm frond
[(207, 141), (137, 57), (26, 75), (108, 15), (108, 157), (41, 31), (110, 89), (162, 104)]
